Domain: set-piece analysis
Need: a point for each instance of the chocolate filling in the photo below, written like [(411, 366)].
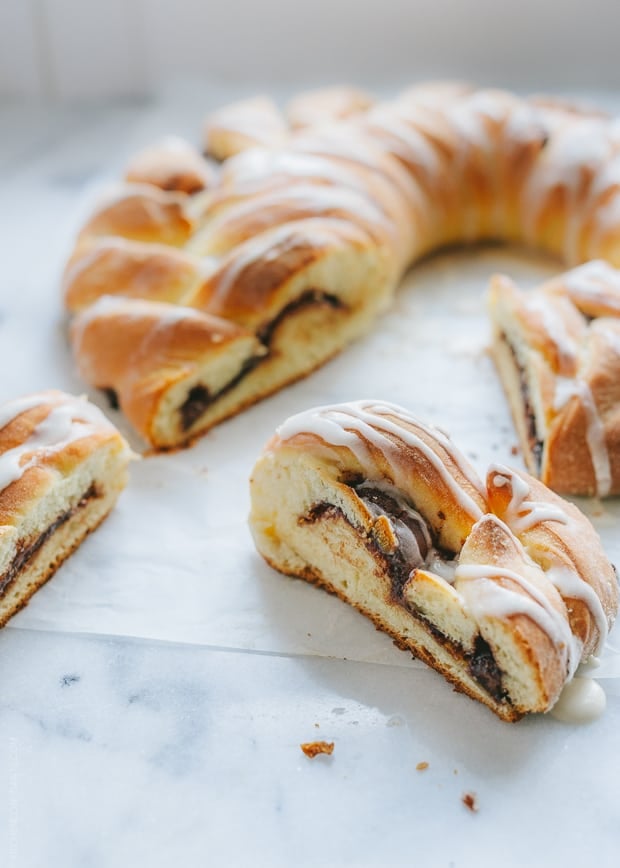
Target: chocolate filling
[(414, 542), (309, 298), (200, 397), (25, 552), (112, 397), (484, 669), (535, 444), (197, 401), (400, 563)]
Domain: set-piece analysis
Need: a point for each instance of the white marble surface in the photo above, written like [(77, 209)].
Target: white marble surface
[(170, 734)]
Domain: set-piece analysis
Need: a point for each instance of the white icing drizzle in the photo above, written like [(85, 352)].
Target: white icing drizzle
[(354, 424), (567, 388), (553, 324), (313, 199), (258, 119), (69, 419), (265, 248), (522, 514), (487, 598), (594, 282), (595, 437), (580, 144), (572, 586), (161, 313), (582, 700)]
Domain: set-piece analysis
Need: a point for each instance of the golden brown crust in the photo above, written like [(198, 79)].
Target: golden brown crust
[(570, 543), (62, 466), (172, 165), (529, 594), (241, 125), (115, 266), (441, 164), (328, 104), (563, 369), (142, 213), (143, 350)]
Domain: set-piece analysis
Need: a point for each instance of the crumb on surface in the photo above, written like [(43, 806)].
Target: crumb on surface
[(470, 801), (313, 748), (514, 450), (421, 767)]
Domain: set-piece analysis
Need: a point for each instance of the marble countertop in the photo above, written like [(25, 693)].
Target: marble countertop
[(154, 695)]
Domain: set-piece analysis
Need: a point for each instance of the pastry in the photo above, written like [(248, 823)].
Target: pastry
[(502, 587), (557, 350), (62, 467), (328, 104), (302, 237), (173, 164), (241, 125)]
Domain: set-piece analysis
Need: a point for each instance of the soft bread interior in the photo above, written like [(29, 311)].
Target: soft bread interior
[(77, 503), (307, 523)]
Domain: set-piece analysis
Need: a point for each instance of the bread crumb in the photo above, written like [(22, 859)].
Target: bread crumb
[(421, 767), (313, 748), (470, 801), (514, 450)]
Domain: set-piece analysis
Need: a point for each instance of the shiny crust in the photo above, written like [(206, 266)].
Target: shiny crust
[(172, 165), (379, 189), (134, 269), (328, 104), (308, 520), (67, 483), (142, 212), (574, 545), (241, 125), (564, 336), (151, 355)]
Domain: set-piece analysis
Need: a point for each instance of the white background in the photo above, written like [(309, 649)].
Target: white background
[(72, 49)]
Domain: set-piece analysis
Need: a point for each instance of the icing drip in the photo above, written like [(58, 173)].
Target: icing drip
[(485, 597), (355, 425), (66, 422), (572, 586), (567, 388), (523, 514), (595, 437)]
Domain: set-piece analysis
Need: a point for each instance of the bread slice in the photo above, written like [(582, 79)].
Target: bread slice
[(557, 351), (382, 510), (62, 467)]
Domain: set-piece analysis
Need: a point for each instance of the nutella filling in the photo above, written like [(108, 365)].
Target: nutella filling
[(416, 549), (200, 398), (25, 552), (309, 298), (410, 529), (484, 669)]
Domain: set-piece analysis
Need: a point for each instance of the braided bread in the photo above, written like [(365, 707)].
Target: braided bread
[(302, 242), (557, 350), (62, 467), (503, 588)]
